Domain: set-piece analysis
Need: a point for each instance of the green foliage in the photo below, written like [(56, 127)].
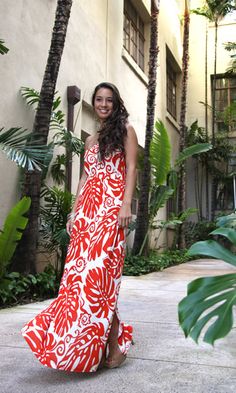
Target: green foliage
[(61, 136), (213, 296), (53, 236), (11, 234), (58, 169), (196, 231), (192, 151), (210, 300), (164, 181), (13, 143), (3, 48), (16, 288), (160, 153), (136, 265), (215, 10)]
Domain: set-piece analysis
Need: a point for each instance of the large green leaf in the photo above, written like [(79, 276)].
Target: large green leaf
[(160, 153), (227, 221), (209, 300), (192, 150), (229, 233), (14, 224), (213, 249), (159, 196)]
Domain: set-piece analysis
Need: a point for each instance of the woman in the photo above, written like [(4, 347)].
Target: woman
[(81, 329)]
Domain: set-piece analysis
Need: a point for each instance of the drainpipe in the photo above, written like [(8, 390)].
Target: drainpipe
[(73, 97)]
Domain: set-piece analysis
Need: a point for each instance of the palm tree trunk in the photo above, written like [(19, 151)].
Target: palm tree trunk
[(143, 207), (24, 259), (206, 122), (182, 123), (213, 184)]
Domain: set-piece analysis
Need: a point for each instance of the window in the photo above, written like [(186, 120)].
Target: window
[(225, 96), (133, 33), (171, 77)]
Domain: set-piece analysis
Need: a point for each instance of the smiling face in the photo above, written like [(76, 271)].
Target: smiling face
[(103, 103)]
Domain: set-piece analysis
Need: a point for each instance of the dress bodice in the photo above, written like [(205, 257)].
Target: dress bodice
[(112, 166)]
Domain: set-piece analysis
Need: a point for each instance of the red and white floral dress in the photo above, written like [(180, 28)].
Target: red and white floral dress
[(71, 334)]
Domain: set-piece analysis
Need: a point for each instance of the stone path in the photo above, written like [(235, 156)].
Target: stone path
[(161, 361)]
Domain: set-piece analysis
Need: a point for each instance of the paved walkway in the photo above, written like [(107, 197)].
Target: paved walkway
[(161, 361)]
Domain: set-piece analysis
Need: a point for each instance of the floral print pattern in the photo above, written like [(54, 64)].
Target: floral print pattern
[(71, 334)]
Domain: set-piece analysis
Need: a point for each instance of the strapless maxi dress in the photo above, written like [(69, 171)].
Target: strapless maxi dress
[(72, 332)]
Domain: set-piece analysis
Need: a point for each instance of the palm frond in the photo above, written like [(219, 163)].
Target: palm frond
[(3, 48), (67, 139), (58, 169), (160, 153), (30, 95), (13, 144)]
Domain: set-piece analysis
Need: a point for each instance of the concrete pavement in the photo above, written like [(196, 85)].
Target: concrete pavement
[(161, 361)]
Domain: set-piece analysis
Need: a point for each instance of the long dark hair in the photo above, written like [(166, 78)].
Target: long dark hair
[(113, 130)]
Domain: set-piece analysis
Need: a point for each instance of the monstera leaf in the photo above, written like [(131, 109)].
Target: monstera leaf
[(209, 299)]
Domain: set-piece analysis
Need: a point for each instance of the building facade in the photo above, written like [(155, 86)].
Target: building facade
[(107, 40)]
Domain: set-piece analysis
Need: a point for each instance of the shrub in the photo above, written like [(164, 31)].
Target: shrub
[(137, 265)]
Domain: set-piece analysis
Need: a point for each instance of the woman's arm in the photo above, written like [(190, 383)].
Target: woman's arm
[(82, 180), (131, 152)]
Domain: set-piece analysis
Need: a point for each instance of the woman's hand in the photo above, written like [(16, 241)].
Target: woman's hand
[(124, 216)]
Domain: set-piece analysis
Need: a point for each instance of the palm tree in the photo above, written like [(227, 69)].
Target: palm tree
[(214, 11), (26, 252), (142, 215), (182, 123)]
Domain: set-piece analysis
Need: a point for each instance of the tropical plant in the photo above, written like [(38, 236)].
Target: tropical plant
[(11, 233), (210, 300), (61, 136), (231, 46), (3, 48), (142, 214), (182, 122), (196, 231), (13, 143), (19, 288), (53, 216), (32, 180), (164, 180), (136, 265), (214, 11), (173, 222)]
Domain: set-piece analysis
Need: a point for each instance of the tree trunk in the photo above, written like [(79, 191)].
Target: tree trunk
[(206, 122), (213, 184), (143, 207), (182, 172), (24, 260)]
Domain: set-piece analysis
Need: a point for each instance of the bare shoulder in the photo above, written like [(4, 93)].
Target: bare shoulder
[(131, 134)]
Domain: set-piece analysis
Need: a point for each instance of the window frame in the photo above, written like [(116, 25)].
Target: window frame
[(221, 90), (133, 34), (171, 94)]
